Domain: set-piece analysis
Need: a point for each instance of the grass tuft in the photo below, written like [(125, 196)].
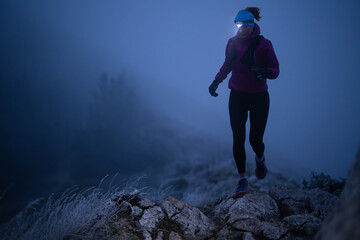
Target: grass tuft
[(75, 214)]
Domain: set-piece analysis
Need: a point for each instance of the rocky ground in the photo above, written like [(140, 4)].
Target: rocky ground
[(279, 213), (322, 208), (275, 208)]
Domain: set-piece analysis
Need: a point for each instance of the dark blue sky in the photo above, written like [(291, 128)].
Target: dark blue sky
[(171, 51)]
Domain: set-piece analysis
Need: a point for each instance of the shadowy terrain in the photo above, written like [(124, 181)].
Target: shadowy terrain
[(282, 212)]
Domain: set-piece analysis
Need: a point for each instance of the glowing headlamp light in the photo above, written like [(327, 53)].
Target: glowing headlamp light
[(240, 24)]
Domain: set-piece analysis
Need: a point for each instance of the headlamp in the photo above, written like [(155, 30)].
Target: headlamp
[(240, 24)]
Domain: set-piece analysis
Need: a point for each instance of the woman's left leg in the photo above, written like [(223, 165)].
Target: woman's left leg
[(259, 111)]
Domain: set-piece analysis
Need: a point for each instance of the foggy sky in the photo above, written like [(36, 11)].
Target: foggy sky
[(172, 50)]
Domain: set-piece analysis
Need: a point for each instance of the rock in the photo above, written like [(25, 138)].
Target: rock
[(151, 217), (324, 182), (248, 236), (253, 204), (291, 236), (174, 236), (234, 235), (273, 230), (172, 206), (225, 233), (219, 211), (281, 213), (321, 202), (248, 224), (123, 235), (125, 206), (344, 221), (290, 201), (136, 211), (192, 221), (147, 235), (304, 222), (280, 192), (256, 214), (146, 203), (223, 206), (160, 235)]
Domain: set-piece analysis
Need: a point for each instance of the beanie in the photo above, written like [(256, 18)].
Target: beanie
[(244, 15)]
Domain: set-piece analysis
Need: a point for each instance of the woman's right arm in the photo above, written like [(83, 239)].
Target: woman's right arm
[(226, 67)]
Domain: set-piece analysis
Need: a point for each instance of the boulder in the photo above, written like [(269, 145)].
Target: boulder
[(150, 218), (193, 222), (321, 202), (253, 204), (344, 221), (305, 223), (290, 201), (248, 224)]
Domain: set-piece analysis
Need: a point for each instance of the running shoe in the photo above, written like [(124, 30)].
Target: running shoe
[(260, 169), (242, 186)]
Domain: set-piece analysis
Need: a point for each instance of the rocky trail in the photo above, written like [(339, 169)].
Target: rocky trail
[(280, 212)]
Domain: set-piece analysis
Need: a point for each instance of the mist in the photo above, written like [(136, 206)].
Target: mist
[(90, 88)]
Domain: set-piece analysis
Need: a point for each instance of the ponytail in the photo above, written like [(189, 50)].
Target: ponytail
[(255, 11)]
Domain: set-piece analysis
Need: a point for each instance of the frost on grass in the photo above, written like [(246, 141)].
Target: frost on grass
[(74, 214)]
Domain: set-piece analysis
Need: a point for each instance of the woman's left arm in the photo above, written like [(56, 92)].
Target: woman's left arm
[(271, 61)]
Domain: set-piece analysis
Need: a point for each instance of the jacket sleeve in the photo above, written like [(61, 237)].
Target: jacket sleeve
[(271, 60), (226, 67)]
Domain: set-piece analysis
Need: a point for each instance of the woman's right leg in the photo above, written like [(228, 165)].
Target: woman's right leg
[(238, 111)]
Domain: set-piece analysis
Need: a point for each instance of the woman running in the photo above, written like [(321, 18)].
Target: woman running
[(251, 59)]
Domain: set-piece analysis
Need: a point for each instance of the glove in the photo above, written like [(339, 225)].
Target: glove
[(262, 73), (214, 85)]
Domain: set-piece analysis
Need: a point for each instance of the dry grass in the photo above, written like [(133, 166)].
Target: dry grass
[(74, 214)]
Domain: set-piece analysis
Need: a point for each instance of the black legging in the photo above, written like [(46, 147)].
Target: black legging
[(239, 105)]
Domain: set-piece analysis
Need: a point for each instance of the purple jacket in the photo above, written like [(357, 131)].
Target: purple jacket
[(242, 78)]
